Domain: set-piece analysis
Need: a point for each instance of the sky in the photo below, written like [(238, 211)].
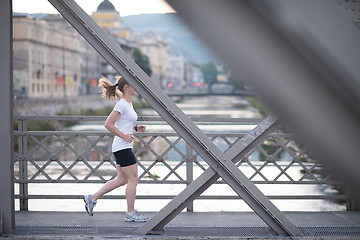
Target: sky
[(124, 7)]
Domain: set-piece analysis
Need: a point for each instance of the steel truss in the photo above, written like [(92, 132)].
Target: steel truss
[(220, 162), (209, 177), (302, 58)]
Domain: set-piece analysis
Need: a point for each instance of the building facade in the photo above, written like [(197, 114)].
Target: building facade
[(90, 68), (177, 73), (51, 59), (46, 59), (193, 76), (150, 44), (156, 48), (110, 21)]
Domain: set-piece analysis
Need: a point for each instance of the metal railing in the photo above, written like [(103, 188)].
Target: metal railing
[(84, 156)]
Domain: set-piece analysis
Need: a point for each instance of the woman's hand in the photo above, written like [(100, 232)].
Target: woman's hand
[(141, 128), (129, 137)]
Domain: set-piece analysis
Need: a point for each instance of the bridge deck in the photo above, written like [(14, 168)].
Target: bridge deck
[(218, 225)]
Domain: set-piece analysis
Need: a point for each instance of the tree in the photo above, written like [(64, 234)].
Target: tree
[(210, 73), (143, 61), (235, 80)]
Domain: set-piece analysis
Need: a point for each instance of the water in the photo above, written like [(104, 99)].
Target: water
[(214, 106)]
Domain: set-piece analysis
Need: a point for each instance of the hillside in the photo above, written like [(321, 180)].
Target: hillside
[(178, 34)]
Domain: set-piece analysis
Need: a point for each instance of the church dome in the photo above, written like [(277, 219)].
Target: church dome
[(106, 6)]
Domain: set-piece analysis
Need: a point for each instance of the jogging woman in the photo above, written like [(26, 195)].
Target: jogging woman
[(120, 122)]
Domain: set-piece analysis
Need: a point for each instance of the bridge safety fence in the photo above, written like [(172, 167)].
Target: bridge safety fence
[(82, 155)]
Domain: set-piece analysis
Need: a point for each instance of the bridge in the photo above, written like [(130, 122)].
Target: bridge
[(50, 159), (283, 62), (196, 92), (197, 225)]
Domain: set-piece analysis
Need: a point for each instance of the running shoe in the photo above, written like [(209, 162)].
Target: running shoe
[(90, 203), (135, 217)]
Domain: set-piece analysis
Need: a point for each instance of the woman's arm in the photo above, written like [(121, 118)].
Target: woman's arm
[(109, 125)]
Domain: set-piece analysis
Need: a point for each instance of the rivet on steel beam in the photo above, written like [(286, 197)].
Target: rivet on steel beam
[(159, 159), (107, 157), (53, 157)]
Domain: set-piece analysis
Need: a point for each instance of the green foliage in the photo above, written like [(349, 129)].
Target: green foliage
[(143, 61), (83, 112), (235, 80), (210, 72), (270, 149), (256, 103), (86, 112), (40, 125), (140, 103)]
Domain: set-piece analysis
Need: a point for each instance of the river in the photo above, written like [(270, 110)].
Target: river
[(212, 106)]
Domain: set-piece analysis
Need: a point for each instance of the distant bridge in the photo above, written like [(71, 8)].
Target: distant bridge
[(196, 92), (221, 88)]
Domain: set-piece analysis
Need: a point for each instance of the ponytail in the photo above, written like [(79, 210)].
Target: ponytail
[(109, 90)]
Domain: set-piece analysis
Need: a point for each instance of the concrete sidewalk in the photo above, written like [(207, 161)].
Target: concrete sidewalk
[(199, 225)]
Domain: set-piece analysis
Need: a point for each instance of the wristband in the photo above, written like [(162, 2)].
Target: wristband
[(136, 128)]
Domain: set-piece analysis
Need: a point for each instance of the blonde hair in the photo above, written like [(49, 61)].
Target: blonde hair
[(109, 91)]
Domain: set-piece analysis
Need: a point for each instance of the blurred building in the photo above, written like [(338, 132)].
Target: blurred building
[(193, 76), (90, 68), (177, 73), (156, 48), (51, 59), (90, 59), (109, 19), (46, 59), (150, 44)]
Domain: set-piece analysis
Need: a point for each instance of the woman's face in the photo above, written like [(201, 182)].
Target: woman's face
[(130, 89)]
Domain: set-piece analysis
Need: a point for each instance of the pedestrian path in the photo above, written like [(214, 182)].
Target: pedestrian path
[(187, 225)]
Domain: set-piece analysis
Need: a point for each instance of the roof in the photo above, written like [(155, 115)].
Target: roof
[(106, 6)]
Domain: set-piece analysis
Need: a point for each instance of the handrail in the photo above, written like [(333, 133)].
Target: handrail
[(38, 151), (140, 119)]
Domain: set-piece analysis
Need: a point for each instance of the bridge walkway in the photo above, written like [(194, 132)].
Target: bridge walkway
[(187, 225)]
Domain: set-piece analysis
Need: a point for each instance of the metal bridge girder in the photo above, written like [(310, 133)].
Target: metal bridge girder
[(7, 215), (209, 177), (302, 58), (166, 108)]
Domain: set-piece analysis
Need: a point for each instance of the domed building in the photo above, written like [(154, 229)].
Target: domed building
[(108, 18), (150, 44), (106, 6)]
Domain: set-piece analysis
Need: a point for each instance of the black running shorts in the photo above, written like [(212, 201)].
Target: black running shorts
[(125, 157)]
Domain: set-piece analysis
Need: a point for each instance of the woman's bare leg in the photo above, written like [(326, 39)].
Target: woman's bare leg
[(120, 180), (131, 173)]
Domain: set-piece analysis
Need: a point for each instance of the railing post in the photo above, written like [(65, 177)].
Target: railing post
[(189, 172), (348, 199), (352, 203), (23, 168), (1, 223)]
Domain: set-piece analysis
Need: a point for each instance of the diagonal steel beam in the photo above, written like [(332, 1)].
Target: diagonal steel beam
[(209, 177), (302, 58), (166, 108)]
